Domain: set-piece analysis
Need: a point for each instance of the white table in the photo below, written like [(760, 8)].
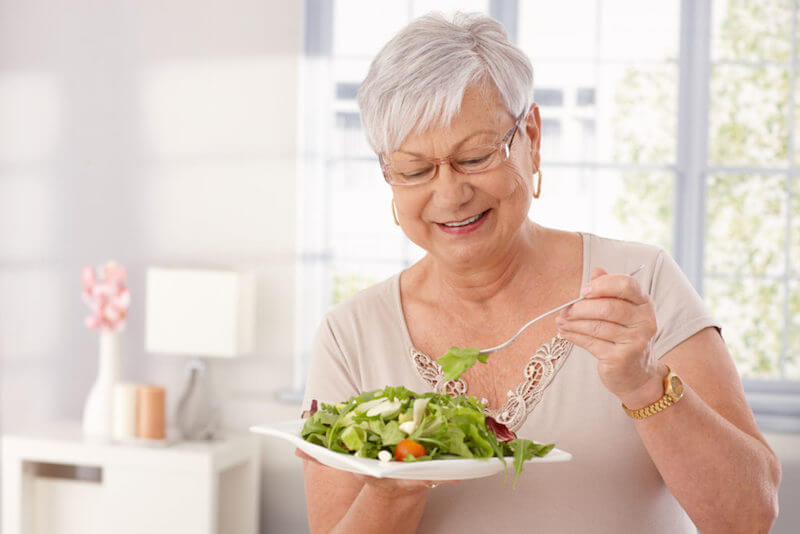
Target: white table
[(56, 482)]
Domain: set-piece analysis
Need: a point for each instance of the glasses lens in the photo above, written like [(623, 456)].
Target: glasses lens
[(479, 159), (411, 171)]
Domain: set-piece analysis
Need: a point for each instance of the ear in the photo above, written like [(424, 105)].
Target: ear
[(533, 129)]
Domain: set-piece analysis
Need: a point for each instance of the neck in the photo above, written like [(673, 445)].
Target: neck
[(483, 283)]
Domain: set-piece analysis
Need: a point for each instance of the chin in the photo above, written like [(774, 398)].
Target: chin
[(466, 254)]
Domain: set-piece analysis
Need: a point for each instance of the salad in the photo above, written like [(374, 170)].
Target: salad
[(397, 424)]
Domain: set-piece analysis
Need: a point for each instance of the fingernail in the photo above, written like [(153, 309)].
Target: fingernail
[(586, 290), (561, 321)]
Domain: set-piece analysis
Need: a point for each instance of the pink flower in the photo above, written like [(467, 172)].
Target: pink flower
[(108, 297), (87, 274)]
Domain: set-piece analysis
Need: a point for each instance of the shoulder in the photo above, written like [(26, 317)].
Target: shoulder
[(363, 329), (368, 311), (620, 250), (623, 256)]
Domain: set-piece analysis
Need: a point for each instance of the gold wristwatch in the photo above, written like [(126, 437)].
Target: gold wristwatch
[(673, 391)]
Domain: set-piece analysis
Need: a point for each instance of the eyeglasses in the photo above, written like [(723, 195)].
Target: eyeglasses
[(475, 160)]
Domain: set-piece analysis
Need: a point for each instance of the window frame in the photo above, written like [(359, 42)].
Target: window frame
[(776, 403)]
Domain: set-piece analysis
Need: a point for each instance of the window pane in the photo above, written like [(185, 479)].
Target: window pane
[(360, 222), (610, 113), (796, 147), (748, 30), (639, 29), (749, 118), (746, 224), (751, 314), (579, 29), (558, 30), (792, 366), (349, 277), (794, 253), (641, 114), (624, 205), (362, 27), (348, 139)]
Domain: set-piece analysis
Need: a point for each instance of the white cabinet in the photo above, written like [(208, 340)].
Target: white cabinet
[(55, 482)]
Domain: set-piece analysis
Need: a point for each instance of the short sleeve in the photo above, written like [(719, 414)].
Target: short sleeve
[(329, 378), (680, 311)]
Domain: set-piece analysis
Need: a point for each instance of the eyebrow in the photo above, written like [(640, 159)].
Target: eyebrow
[(457, 145)]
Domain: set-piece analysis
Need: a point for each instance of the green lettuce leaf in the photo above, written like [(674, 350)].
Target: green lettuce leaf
[(456, 361), (354, 437), (390, 433)]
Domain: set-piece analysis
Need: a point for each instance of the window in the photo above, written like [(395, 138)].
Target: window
[(639, 142), (751, 275)]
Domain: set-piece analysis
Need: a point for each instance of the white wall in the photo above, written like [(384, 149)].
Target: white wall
[(149, 132), (159, 132)]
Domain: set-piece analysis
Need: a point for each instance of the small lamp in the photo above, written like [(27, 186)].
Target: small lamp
[(204, 314)]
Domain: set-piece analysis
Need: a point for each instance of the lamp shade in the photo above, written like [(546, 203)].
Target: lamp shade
[(199, 312)]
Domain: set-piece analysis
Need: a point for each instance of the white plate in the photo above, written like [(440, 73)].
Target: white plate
[(456, 469)]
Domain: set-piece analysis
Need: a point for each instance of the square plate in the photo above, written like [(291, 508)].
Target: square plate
[(456, 469)]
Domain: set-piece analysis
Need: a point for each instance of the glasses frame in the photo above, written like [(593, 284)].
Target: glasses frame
[(505, 145)]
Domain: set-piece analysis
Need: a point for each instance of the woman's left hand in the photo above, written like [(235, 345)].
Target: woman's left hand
[(616, 323)]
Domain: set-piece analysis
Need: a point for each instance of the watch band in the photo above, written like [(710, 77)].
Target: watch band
[(652, 409), (661, 404)]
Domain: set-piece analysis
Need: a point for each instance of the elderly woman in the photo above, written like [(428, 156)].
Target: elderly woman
[(635, 380)]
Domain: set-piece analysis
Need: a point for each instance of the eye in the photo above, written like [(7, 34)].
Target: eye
[(474, 160), (415, 174)]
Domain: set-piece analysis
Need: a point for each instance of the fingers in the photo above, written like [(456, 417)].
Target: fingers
[(601, 330), (612, 310), (597, 272), (303, 456), (619, 286), (593, 345), (402, 484)]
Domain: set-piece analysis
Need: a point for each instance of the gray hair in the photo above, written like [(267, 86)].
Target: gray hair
[(419, 77)]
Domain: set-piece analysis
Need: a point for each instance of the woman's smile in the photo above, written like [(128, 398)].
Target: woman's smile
[(464, 226)]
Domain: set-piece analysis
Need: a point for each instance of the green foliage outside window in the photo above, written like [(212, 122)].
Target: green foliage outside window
[(746, 217)]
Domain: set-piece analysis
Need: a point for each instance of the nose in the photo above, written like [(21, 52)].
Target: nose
[(452, 188)]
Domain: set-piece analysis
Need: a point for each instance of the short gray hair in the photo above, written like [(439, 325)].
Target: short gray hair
[(419, 77)]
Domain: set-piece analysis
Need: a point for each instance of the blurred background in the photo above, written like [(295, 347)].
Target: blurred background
[(226, 134)]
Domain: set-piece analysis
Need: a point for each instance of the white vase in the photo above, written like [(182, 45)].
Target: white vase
[(98, 410)]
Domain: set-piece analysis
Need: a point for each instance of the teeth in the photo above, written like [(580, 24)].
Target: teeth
[(464, 223)]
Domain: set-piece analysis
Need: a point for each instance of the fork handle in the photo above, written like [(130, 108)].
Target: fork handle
[(542, 316)]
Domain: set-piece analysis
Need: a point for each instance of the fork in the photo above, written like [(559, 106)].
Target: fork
[(542, 316)]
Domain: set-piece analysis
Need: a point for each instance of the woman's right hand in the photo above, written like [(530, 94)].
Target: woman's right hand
[(340, 501)]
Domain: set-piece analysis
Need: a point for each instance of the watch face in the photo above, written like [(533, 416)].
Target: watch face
[(677, 385)]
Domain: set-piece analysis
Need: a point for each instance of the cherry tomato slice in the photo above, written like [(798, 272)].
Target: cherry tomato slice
[(408, 447)]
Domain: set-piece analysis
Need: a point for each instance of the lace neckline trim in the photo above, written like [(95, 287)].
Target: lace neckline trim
[(539, 372)]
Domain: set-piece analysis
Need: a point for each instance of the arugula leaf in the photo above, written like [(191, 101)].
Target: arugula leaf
[(522, 451), (456, 361), (525, 449)]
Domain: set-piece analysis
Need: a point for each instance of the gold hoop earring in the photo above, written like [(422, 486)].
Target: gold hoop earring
[(394, 215), (538, 190)]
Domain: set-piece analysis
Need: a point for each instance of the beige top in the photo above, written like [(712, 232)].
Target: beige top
[(611, 484)]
